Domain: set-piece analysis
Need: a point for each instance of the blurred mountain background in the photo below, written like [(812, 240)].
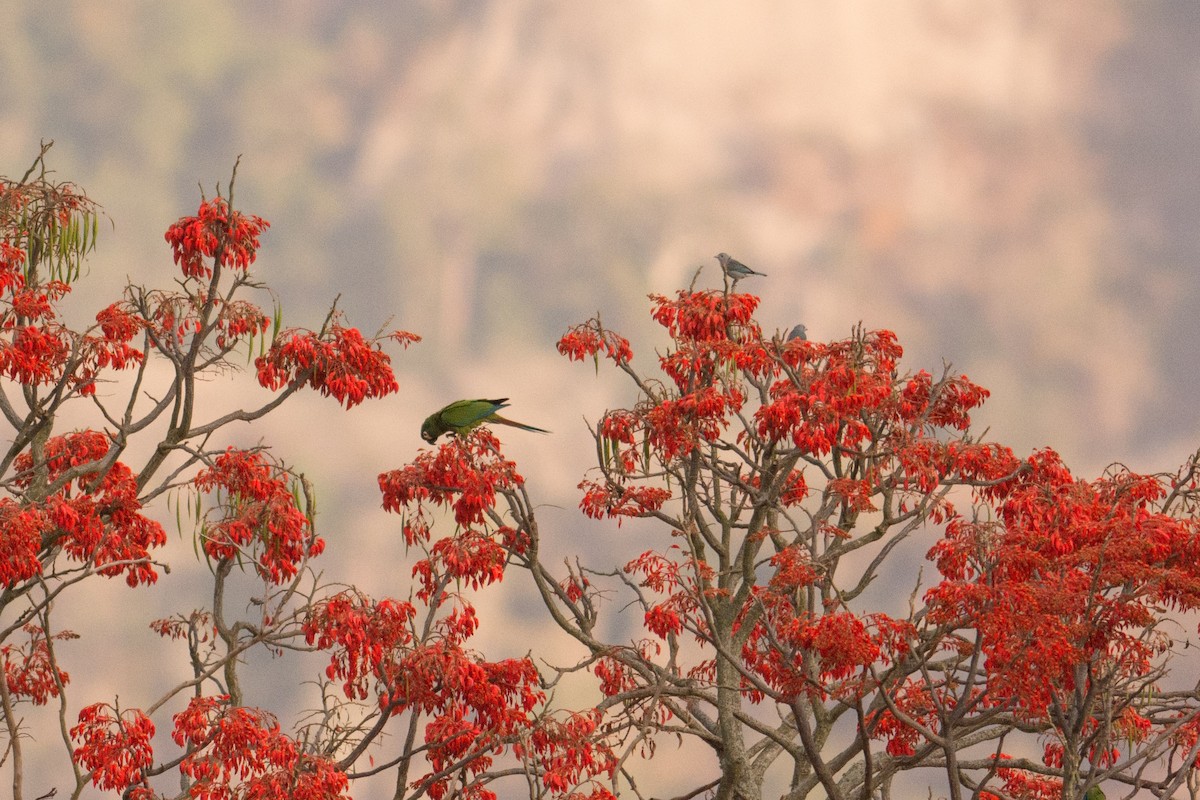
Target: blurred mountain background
[(1013, 186), (1009, 185)]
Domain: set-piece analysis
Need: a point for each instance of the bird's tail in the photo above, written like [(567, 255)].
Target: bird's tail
[(521, 425)]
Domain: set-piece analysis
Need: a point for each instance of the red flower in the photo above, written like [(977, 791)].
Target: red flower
[(339, 363), (589, 339), (114, 745), (258, 514), (216, 234), (242, 749)]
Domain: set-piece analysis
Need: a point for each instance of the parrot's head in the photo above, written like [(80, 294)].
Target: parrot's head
[(429, 430)]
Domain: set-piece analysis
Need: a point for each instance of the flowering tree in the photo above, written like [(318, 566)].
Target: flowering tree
[(77, 506), (781, 619), (787, 477)]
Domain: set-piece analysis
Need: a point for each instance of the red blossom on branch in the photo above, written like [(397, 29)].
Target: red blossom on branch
[(589, 339), (257, 514), (114, 745), (215, 234), (338, 363), (571, 752), (707, 317), (1073, 575), (364, 635), (96, 516), (240, 752), (29, 668), (463, 474)]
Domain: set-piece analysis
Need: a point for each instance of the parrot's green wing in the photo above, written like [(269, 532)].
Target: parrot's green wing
[(463, 415)]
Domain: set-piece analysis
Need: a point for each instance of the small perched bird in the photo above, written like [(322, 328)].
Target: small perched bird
[(799, 332), (734, 268), (463, 416)]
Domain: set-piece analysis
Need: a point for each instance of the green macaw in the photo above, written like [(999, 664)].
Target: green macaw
[(1094, 793), (463, 416)]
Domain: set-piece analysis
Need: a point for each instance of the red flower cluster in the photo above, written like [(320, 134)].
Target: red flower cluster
[(707, 317), (785, 638), (115, 746), (238, 319), (110, 350), (257, 513), (476, 705), (240, 752), (674, 427), (589, 338), (339, 363), (36, 349), (1024, 785), (477, 708), (823, 395), (679, 582), (1073, 571), (365, 636), (1183, 739), (571, 752), (463, 474), (216, 235), (917, 701), (21, 529), (30, 670), (95, 517), (618, 500)]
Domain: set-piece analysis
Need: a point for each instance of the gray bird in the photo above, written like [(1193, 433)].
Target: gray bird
[(799, 332), (734, 268)]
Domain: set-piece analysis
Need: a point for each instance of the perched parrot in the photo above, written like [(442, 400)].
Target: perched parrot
[(734, 268), (463, 416), (799, 332), (1094, 793)]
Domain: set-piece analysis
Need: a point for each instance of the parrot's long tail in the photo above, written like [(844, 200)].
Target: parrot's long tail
[(522, 426)]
